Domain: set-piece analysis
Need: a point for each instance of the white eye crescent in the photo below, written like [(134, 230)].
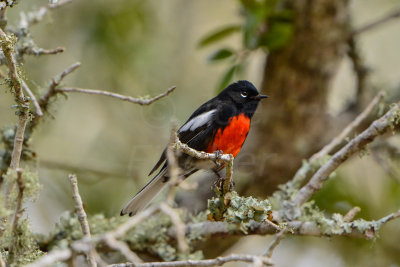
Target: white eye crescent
[(243, 94)]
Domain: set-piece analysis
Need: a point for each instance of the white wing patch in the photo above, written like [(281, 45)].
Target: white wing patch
[(198, 121)]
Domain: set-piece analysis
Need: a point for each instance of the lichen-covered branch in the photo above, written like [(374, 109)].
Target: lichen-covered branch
[(118, 96), (212, 262), (52, 257), (390, 120), (81, 216)]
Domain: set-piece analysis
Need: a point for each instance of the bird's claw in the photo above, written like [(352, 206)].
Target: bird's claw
[(217, 160)]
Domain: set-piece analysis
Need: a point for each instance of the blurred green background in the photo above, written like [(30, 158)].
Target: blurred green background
[(141, 48)]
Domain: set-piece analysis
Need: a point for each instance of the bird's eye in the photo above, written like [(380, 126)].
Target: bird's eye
[(243, 94)]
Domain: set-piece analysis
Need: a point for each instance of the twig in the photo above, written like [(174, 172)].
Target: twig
[(81, 216), (8, 50), (17, 216), (349, 128), (52, 257), (173, 168), (305, 170), (226, 159), (121, 247), (278, 237), (351, 214), (41, 51), (36, 16), (179, 226), (378, 127), (118, 96), (56, 82), (35, 103), (212, 262), (378, 22)]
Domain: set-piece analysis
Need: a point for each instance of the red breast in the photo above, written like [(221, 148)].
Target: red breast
[(231, 138)]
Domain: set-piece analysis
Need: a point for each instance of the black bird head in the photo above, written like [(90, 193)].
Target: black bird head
[(245, 96)]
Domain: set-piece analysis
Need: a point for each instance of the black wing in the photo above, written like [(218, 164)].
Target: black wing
[(196, 131)]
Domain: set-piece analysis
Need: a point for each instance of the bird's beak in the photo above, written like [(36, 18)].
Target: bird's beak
[(259, 97)]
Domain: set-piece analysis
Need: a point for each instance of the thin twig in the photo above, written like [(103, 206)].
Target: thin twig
[(35, 103), (302, 173), (212, 262), (34, 17), (8, 51), (349, 128), (52, 257), (173, 168), (378, 127), (17, 216), (351, 214), (41, 51), (118, 96), (278, 237), (81, 216), (56, 82), (121, 247), (378, 22), (179, 226)]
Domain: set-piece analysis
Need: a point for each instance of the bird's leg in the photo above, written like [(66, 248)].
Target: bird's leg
[(218, 154), (220, 180)]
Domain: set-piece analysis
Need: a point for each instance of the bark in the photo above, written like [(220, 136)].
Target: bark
[(294, 122)]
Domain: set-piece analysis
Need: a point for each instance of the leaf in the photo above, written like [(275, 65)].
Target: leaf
[(218, 35), (221, 54), (227, 78)]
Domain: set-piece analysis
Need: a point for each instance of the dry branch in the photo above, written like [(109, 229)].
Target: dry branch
[(52, 257), (378, 22), (212, 262), (81, 216), (118, 96), (378, 127), (17, 216), (35, 103)]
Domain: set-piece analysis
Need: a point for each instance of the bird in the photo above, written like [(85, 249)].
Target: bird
[(220, 125)]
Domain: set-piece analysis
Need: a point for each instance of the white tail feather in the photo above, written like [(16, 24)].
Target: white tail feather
[(146, 195)]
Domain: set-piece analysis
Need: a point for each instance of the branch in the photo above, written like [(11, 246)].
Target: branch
[(17, 216), (179, 226), (378, 22), (81, 216), (29, 50), (118, 96), (38, 110), (278, 237), (44, 101), (52, 257), (8, 51), (34, 17), (349, 128), (212, 262), (378, 127)]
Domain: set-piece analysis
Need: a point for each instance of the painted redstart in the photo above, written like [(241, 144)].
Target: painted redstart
[(220, 125)]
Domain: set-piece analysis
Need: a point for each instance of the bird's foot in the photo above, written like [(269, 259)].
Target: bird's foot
[(217, 160)]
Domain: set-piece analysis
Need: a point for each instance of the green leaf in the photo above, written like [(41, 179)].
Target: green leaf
[(219, 34), (277, 35), (220, 54), (227, 78)]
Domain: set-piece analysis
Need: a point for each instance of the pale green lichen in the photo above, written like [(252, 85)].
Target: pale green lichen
[(151, 236), (239, 210)]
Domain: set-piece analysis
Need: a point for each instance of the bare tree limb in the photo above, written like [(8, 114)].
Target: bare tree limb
[(36, 51), (351, 214), (179, 226), (121, 247), (118, 96), (349, 128), (278, 237), (56, 82), (33, 18), (17, 216), (81, 216), (378, 22), (378, 127), (35, 103), (52, 257), (212, 262)]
